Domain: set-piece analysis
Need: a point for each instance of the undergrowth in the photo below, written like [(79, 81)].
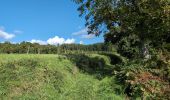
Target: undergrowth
[(48, 77)]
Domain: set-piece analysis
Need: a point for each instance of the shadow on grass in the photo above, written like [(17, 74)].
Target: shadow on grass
[(96, 65)]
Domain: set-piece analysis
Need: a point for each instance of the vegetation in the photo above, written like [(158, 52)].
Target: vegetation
[(140, 31), (133, 63), (38, 77), (35, 48)]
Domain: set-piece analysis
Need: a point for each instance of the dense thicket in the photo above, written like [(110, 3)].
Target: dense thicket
[(140, 29), (35, 48)]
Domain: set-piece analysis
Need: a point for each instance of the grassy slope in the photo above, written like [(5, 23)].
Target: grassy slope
[(49, 77)]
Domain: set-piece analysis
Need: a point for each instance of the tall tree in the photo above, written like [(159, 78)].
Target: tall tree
[(146, 20)]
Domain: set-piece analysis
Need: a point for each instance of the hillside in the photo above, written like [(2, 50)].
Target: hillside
[(48, 77)]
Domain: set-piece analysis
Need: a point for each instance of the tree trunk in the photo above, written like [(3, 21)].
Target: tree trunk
[(39, 51), (28, 50), (144, 52)]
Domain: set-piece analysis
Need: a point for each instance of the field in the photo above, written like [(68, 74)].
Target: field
[(50, 77)]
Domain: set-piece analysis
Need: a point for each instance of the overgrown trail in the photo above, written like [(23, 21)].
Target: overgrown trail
[(50, 77)]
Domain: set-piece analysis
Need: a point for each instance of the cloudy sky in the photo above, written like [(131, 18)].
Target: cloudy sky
[(43, 21)]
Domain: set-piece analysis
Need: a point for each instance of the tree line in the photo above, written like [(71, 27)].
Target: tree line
[(35, 48)]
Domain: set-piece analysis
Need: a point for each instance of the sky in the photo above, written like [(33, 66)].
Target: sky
[(43, 21)]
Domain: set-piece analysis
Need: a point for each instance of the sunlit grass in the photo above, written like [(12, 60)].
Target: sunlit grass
[(49, 77)]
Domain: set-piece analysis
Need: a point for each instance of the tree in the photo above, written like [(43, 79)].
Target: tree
[(146, 20)]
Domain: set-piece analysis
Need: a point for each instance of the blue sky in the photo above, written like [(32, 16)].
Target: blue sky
[(43, 21)]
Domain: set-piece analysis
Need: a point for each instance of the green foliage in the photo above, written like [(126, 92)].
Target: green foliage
[(107, 87), (100, 65), (146, 79), (125, 22), (167, 46), (140, 30), (35, 48), (39, 77)]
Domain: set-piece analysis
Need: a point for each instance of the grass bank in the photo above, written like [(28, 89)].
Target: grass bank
[(50, 77)]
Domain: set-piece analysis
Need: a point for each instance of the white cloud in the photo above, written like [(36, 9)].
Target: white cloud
[(69, 41), (83, 31), (57, 40), (18, 31), (88, 36), (81, 42), (6, 35), (54, 41), (38, 41), (84, 34)]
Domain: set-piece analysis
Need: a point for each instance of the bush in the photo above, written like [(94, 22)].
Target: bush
[(98, 65)]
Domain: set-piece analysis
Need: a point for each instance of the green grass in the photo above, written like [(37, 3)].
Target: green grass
[(49, 77)]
